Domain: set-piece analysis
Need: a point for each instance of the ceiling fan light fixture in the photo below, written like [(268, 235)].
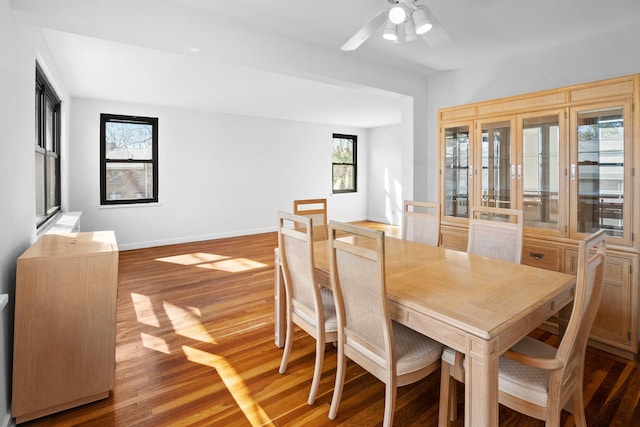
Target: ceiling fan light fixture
[(422, 23), (397, 14), (410, 30), (390, 32)]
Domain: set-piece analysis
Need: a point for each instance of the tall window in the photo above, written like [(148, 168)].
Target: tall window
[(47, 149), (344, 161), (128, 159)]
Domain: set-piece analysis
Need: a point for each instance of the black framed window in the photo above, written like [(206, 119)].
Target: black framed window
[(344, 163), (128, 159), (47, 149)]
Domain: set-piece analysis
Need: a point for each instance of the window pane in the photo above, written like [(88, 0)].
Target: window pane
[(541, 171), (601, 171), (52, 183), (456, 171), (131, 141), (37, 116), (49, 126), (496, 152), (342, 150), (40, 199), (128, 181), (343, 177)]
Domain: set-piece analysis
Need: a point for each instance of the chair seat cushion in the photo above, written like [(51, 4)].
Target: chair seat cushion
[(449, 356), (329, 307), (526, 382), (413, 350)]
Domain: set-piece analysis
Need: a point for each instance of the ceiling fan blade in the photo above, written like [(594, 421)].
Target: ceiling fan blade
[(363, 33), (437, 37)]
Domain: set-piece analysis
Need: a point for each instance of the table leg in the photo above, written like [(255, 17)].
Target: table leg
[(279, 309), (481, 379)]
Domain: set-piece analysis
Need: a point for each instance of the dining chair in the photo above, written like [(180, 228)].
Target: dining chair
[(421, 222), (496, 233), (393, 353), (535, 378), (316, 209), (309, 306)]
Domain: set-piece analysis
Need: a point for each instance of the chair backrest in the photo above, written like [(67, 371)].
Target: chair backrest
[(496, 233), (296, 256), (421, 222), (358, 280), (588, 293), (316, 209)]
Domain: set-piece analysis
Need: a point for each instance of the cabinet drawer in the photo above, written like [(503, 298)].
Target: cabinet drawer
[(454, 239), (542, 256)]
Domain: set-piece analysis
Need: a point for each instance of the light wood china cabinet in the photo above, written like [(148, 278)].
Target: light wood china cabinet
[(569, 158)]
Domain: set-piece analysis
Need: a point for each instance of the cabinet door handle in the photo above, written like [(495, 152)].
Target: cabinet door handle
[(573, 171), (519, 171), (513, 171), (536, 255), (470, 171)]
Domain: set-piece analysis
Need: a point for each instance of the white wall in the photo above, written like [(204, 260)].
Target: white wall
[(16, 179), (220, 175), (385, 174), (19, 46), (604, 55)]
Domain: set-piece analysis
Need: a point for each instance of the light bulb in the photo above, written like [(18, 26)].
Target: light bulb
[(390, 32), (397, 14), (422, 23)]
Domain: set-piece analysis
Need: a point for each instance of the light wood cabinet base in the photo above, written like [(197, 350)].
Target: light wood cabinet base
[(58, 408)]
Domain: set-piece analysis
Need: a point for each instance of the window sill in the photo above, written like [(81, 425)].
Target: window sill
[(130, 205), (63, 222)]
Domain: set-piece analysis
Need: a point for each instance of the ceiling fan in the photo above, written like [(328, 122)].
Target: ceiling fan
[(403, 17)]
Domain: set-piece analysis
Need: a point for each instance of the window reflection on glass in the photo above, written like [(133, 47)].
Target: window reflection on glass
[(132, 141), (600, 171), (129, 180), (456, 194), (541, 168), (496, 163)]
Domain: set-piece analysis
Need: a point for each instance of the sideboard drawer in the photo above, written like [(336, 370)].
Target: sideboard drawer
[(542, 256)]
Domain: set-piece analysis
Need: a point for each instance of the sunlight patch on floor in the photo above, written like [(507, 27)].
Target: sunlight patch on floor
[(186, 322), (144, 310), (214, 262), (192, 259), (235, 265), (154, 343), (234, 383)]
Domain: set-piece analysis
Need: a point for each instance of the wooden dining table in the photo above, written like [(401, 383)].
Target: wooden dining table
[(474, 304)]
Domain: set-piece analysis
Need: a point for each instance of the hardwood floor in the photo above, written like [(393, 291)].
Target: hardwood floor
[(195, 348)]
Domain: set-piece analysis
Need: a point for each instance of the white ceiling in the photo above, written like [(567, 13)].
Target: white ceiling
[(265, 57)]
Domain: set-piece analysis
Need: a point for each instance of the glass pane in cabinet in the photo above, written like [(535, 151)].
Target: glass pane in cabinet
[(496, 164), (456, 194), (600, 171), (540, 174)]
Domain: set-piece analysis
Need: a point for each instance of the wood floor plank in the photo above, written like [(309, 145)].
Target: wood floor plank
[(195, 347)]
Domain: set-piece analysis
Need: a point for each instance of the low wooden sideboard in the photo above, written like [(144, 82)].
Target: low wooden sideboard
[(65, 322)]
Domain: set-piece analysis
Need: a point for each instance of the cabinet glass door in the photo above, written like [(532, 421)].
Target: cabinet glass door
[(495, 161), (598, 171), (456, 171), (540, 173)]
